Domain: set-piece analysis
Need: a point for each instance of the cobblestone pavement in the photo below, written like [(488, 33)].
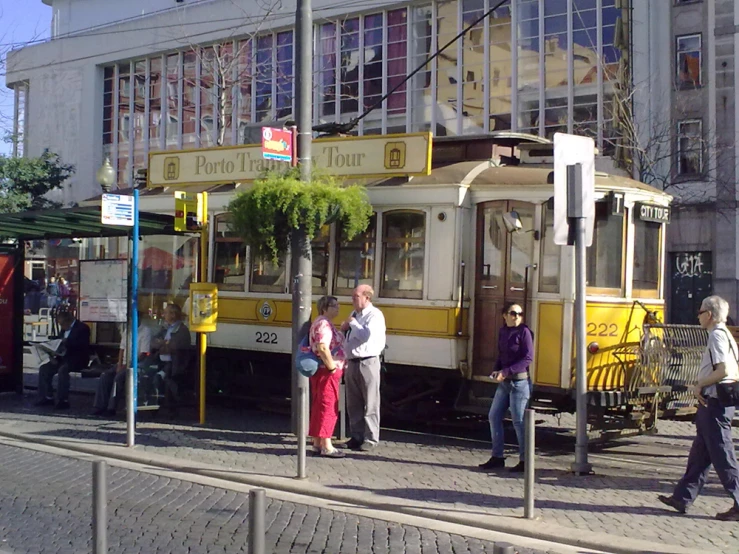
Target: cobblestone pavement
[(45, 506), (438, 472)]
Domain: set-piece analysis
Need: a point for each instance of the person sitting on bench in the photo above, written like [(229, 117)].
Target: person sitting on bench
[(106, 402), (72, 355), (173, 347)]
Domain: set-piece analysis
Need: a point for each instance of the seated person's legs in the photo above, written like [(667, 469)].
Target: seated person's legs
[(45, 376), (62, 389), (103, 391), (120, 391)]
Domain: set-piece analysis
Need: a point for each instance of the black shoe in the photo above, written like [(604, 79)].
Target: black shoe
[(97, 412), (675, 504), (109, 413), (520, 467), (44, 402), (731, 515), (367, 446), (493, 463), (353, 444), (63, 405)]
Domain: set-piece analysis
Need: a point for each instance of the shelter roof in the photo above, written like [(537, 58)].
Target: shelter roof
[(77, 223)]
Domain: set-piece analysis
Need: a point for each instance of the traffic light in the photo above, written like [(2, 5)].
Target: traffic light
[(188, 212)]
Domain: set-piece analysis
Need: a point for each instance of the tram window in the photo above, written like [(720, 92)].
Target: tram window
[(404, 242), (266, 275), (355, 260), (229, 257), (550, 253), (646, 258), (320, 247), (605, 256)]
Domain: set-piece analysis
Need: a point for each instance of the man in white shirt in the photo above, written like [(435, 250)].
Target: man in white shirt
[(713, 444), (365, 341), (105, 402)]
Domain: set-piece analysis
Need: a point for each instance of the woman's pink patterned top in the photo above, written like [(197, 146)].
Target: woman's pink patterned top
[(322, 331)]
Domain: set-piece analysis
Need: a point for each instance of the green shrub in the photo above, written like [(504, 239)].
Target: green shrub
[(280, 202)]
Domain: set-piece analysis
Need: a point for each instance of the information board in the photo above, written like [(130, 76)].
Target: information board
[(103, 290)]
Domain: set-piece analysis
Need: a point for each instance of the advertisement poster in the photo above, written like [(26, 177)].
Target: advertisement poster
[(7, 294)]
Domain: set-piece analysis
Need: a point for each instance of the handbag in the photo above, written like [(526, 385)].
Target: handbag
[(306, 362), (727, 392)]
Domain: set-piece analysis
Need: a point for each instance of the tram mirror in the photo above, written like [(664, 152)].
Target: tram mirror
[(512, 221)]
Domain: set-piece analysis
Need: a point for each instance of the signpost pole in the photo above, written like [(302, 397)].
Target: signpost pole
[(576, 215), (203, 337), (133, 375), (301, 265)]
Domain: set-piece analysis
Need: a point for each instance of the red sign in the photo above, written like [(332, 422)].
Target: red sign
[(277, 144), (7, 279)]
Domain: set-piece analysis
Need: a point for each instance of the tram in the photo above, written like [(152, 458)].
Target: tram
[(444, 252)]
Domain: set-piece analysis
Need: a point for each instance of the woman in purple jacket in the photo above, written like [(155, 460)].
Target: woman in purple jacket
[(511, 372)]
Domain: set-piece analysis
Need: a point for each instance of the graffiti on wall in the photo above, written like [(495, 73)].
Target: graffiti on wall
[(690, 264)]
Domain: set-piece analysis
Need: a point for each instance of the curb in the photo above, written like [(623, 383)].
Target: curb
[(533, 529)]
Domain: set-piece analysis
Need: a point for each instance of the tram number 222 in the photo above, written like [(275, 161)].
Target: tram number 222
[(266, 338), (602, 330)]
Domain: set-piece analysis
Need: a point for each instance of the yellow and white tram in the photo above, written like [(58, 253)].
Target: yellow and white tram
[(442, 263)]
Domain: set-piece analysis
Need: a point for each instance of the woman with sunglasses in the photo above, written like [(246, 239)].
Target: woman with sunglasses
[(511, 372)]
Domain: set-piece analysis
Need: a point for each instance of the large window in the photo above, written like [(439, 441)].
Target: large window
[(229, 269), (689, 65), (690, 147), (605, 256), (404, 241), (268, 276), (646, 258), (355, 260), (550, 253)]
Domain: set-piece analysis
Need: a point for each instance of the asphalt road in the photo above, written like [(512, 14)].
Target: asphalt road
[(45, 507)]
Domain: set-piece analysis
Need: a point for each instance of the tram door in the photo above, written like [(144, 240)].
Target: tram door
[(502, 258)]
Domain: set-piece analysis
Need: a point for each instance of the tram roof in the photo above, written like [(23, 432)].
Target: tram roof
[(77, 223)]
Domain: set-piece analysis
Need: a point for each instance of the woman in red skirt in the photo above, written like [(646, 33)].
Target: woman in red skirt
[(326, 342)]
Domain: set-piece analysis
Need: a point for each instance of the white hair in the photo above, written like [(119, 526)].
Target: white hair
[(718, 308)]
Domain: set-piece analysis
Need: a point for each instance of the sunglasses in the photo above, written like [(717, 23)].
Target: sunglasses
[(702, 312), (513, 313)]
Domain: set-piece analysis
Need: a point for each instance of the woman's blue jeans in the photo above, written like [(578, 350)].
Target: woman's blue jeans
[(513, 395)]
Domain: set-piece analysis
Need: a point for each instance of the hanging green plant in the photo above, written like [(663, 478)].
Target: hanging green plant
[(279, 202)]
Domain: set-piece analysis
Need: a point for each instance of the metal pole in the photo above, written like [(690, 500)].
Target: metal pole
[(133, 375), (528, 476), (203, 337), (503, 548), (575, 212), (300, 246), (257, 507), (99, 508)]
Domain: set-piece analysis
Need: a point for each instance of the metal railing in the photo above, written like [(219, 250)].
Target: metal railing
[(672, 353)]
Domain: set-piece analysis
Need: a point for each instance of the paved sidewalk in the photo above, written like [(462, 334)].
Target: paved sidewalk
[(615, 510)]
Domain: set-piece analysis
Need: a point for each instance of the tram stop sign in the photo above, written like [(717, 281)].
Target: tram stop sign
[(570, 150)]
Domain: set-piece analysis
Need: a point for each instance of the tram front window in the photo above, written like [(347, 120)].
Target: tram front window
[(267, 276), (605, 256), (646, 258)]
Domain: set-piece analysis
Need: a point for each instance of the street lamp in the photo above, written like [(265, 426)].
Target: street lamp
[(106, 175)]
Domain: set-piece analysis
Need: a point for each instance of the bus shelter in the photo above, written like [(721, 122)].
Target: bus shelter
[(82, 230)]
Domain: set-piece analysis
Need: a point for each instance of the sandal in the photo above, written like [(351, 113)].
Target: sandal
[(332, 453)]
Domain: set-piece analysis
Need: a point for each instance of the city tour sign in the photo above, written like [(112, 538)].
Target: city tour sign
[(373, 156)]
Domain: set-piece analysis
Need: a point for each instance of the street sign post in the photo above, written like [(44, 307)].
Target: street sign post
[(570, 150), (574, 214), (117, 210)]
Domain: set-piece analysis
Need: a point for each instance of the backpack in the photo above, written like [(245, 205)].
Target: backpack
[(306, 362)]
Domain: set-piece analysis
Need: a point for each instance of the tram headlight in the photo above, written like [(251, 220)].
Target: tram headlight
[(593, 347)]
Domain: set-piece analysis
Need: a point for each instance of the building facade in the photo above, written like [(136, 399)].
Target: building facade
[(156, 75)]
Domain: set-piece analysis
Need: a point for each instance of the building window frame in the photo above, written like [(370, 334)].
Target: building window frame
[(684, 52), (684, 150)]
